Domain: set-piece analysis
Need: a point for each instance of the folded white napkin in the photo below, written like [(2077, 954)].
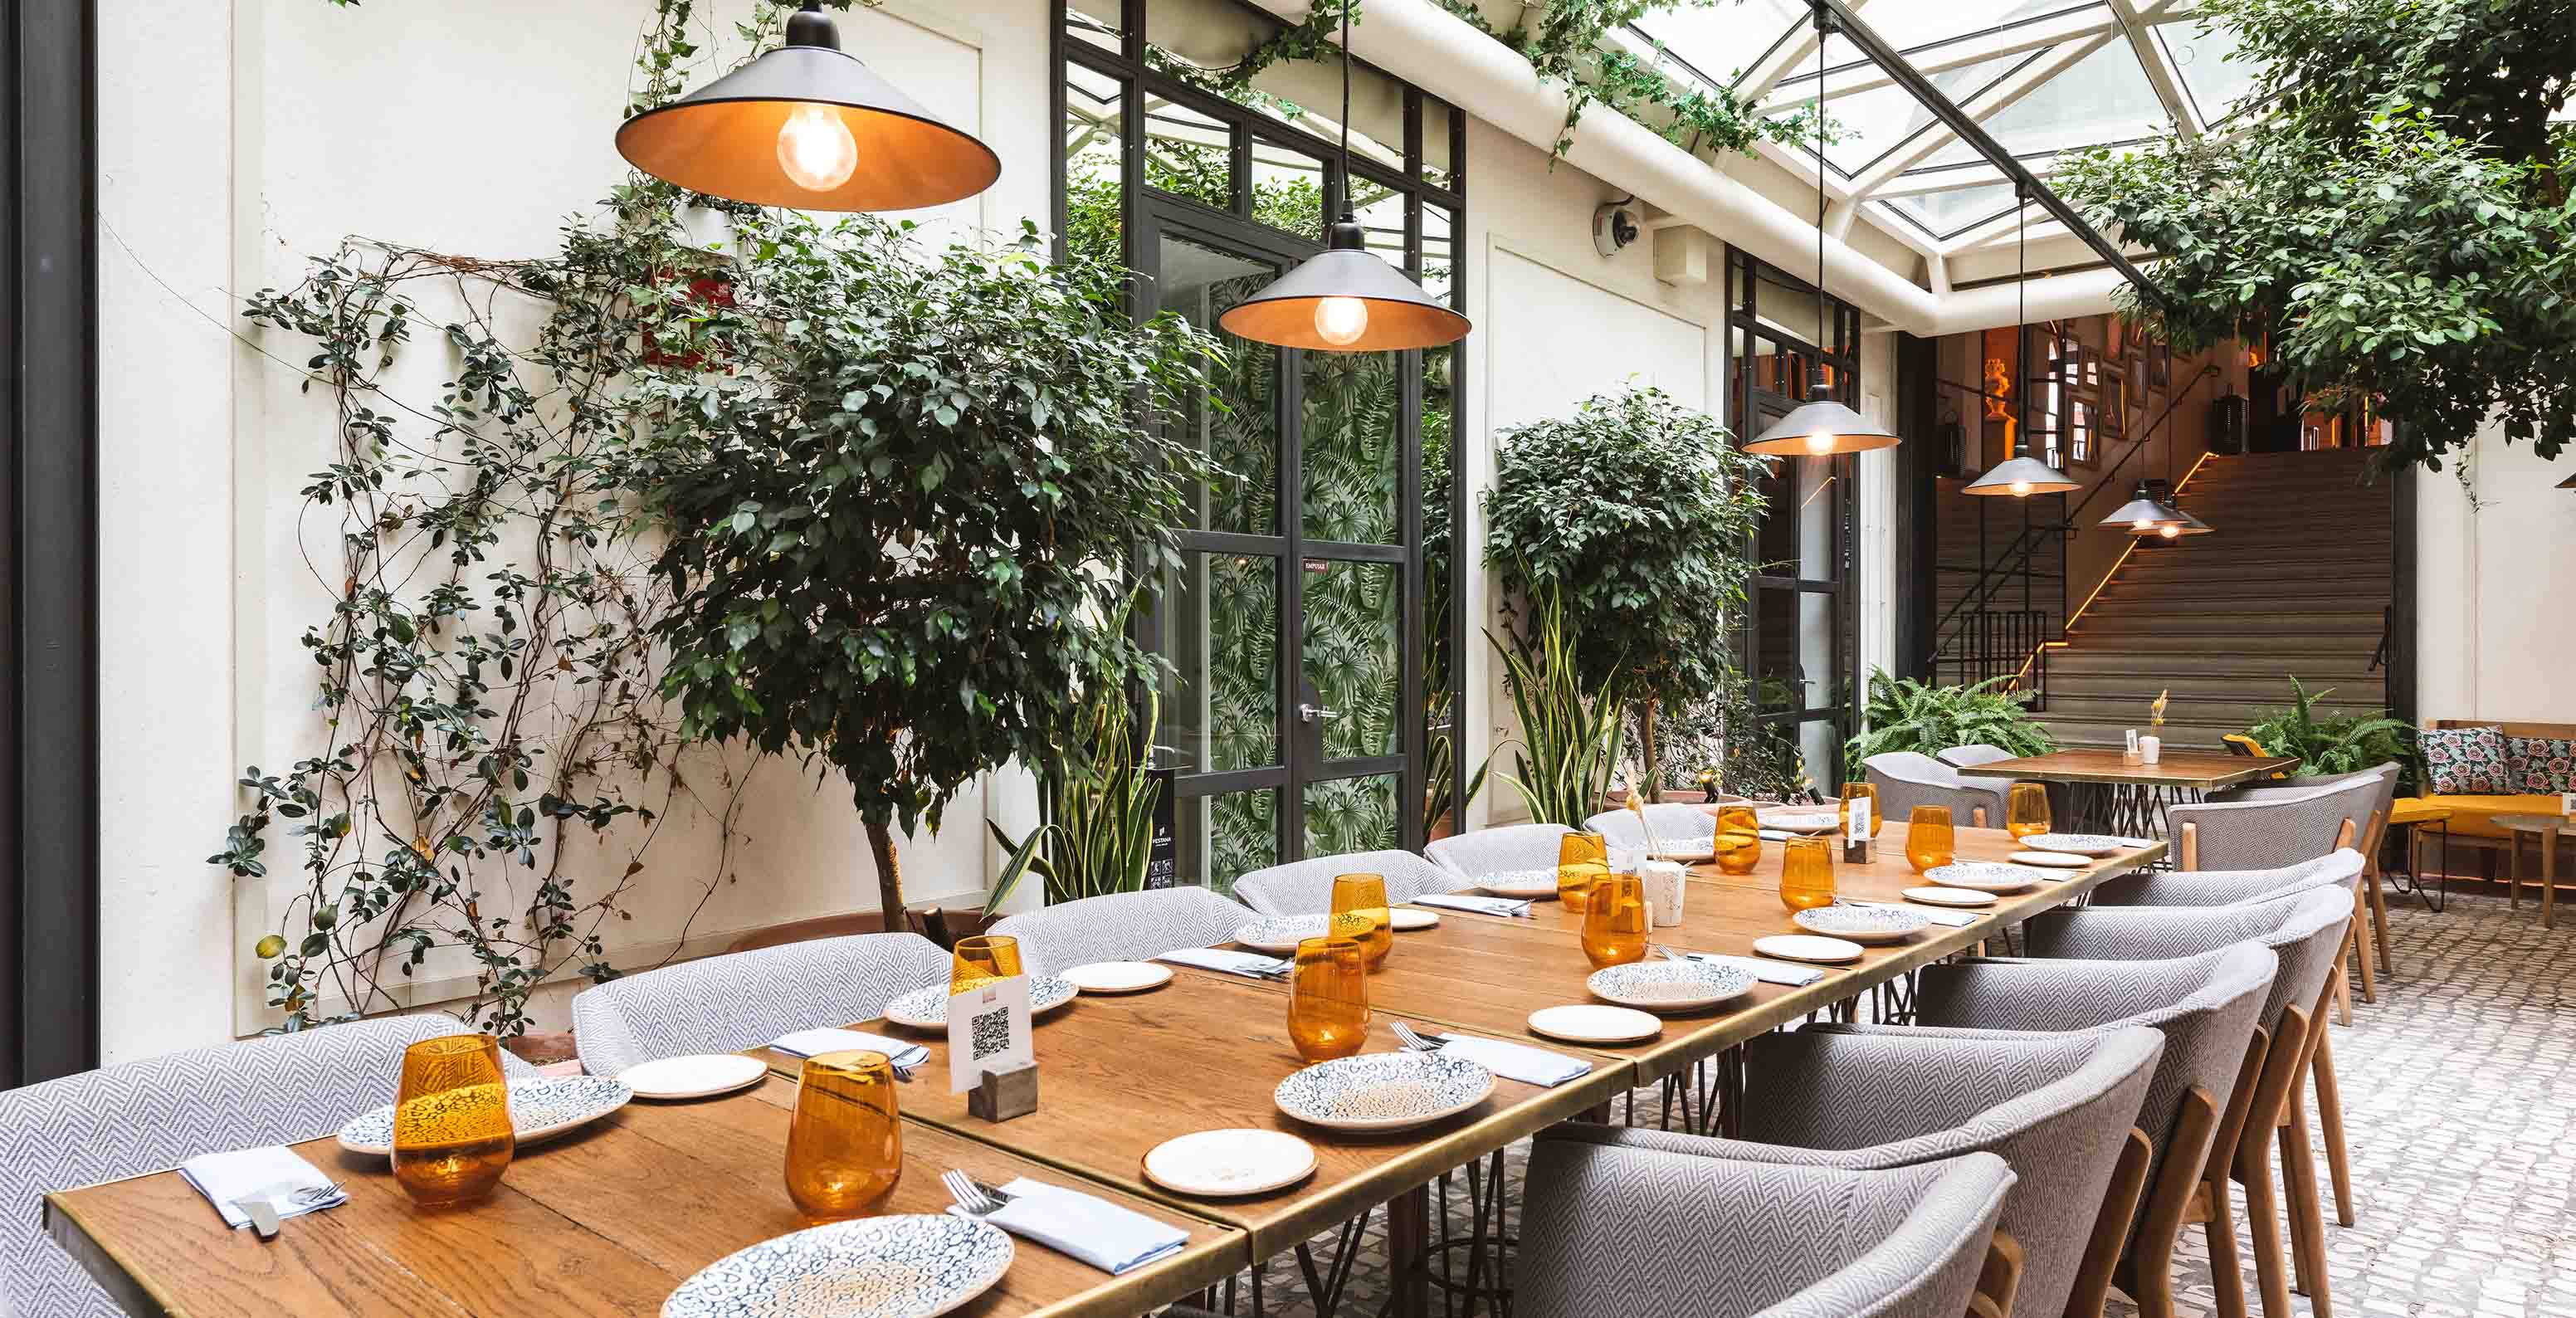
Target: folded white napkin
[(2134, 841), (1094, 1230), (1459, 901), (807, 1043), (1232, 963), (1769, 972), (1954, 919), (1530, 1066), (275, 1173)]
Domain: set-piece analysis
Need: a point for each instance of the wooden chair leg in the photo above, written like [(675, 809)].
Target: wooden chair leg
[(2190, 845), (2342, 991), (2110, 1227), (2330, 1115), (2160, 1223), (2263, 1219), (2356, 939), (2226, 1267), (2000, 1280), (2307, 1220), (2379, 922)]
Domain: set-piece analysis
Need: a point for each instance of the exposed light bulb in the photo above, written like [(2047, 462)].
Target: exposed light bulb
[(1820, 443), (2021, 487), (816, 149), (2143, 524), (1340, 320), (2169, 532)]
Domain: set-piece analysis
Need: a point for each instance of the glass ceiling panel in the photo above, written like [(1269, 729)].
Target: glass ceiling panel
[(1913, 24), (1720, 40), (2209, 74), (2105, 97), (1877, 120), (1950, 211)]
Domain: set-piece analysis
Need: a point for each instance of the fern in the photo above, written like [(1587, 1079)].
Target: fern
[(1905, 715), (2340, 744)]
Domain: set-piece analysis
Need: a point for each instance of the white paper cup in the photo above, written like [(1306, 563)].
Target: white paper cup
[(1664, 887)]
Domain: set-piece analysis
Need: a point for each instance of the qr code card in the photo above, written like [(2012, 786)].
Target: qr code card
[(988, 1030)]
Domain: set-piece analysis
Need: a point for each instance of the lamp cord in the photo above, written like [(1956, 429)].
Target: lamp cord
[(1348, 215), (2021, 311), (1824, 28)]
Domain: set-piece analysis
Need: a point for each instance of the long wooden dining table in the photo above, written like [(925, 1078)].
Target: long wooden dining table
[(609, 1219)]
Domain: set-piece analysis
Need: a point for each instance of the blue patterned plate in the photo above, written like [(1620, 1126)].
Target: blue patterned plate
[(926, 1008), (905, 1266), (1988, 876), (2076, 844), (1280, 934), (539, 1110), (1862, 924), (1521, 883), (1664, 985), (1383, 1091)]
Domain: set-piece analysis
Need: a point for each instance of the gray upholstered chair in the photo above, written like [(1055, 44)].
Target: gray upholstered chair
[(2306, 931), (150, 1116), (1122, 926), (1305, 887), (2228, 887), (1610, 1227), (1498, 850), (2374, 903), (722, 1004), (1669, 821), (1973, 754), (2282, 827), (2206, 1006), (1906, 779), (2057, 1108)]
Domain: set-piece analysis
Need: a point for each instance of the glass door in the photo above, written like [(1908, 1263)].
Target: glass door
[(1287, 622)]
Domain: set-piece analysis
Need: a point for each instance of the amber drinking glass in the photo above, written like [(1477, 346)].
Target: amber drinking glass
[(845, 1143), (1581, 859), (1930, 838), (1614, 920), (981, 960), (1739, 839), (1328, 1013), (1807, 873), (1359, 912), (2026, 811), (1842, 814), (452, 1135)]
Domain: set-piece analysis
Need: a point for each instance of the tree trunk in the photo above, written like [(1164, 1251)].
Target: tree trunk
[(1646, 749), (889, 877)]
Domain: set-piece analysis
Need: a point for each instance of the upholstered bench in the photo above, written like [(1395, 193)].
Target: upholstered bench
[(2480, 770)]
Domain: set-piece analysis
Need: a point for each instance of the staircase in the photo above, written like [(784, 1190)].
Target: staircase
[(2294, 581), (1963, 557)]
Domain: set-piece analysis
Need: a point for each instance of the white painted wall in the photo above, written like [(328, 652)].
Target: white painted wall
[(2493, 586)]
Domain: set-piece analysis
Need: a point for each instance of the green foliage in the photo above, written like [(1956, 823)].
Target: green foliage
[(1905, 715), (2342, 743), (889, 518), (1096, 804), (2397, 227), (1570, 728), (1637, 512)]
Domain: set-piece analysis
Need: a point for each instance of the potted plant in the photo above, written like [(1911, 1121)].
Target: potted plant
[(1902, 714)]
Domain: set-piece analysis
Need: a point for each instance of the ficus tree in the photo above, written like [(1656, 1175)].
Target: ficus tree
[(906, 490), (2396, 227)]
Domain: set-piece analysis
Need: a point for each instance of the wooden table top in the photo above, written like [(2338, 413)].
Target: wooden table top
[(2207, 771), (2534, 823), (605, 1221)]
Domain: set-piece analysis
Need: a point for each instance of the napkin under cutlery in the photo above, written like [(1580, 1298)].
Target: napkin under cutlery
[(1459, 901), (806, 1043), (1512, 1061), (1252, 964), (1092, 1229), (1769, 972), (1954, 919), (275, 1175)]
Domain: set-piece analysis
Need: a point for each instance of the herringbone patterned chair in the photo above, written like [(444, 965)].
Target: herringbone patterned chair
[(2228, 887), (722, 1004), (1978, 753), (150, 1116), (2297, 824), (1122, 926), (2373, 896), (1305, 887), (1669, 821), (2057, 1108), (1906, 779), (1498, 850), (1611, 1227)]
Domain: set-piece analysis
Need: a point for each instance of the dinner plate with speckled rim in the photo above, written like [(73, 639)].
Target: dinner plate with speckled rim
[(1798, 820), (540, 1109), (1119, 976), (2055, 860), (1409, 918), (1383, 1091), (1220, 1164), (1987, 876), (1949, 897), (1663, 985), (1280, 934), (2076, 844), (1862, 924), (1815, 949), (1520, 883), (700, 1075), (926, 1008), (908, 1265), (1590, 1022)]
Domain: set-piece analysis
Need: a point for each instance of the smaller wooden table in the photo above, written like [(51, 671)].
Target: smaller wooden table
[(2550, 828), (2108, 795)]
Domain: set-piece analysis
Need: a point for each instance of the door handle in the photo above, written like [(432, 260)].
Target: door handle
[(1309, 713)]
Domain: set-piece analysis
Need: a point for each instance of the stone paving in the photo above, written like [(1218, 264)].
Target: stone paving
[(2459, 1091)]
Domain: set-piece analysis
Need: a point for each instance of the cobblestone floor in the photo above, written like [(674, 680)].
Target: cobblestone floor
[(2459, 1088)]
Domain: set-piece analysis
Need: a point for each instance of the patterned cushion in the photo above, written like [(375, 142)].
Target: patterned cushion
[(1305, 887), (1496, 850), (2539, 764), (1121, 926), (721, 1004), (2465, 759)]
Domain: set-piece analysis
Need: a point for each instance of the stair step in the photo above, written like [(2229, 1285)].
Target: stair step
[(2237, 715), (2273, 688), (2177, 619)]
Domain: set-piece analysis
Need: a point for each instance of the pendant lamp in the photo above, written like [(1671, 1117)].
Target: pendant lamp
[(1345, 298), (1821, 426), (811, 127), (2144, 514), (2568, 484), (2022, 475)]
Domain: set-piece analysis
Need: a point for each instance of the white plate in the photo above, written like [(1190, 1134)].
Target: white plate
[(1383, 1091), (1521, 883), (1863, 924), (540, 1109), (1808, 947), (1586, 1022), (2077, 844), (702, 1075), (1798, 820), (1987, 876), (926, 1008), (2055, 860), (1119, 976), (1413, 917), (1222, 1163), (1949, 897), (904, 1266), (1661, 985)]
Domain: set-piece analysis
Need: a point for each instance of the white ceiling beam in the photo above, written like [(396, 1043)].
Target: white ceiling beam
[(1943, 56), (2161, 73), (1767, 71)]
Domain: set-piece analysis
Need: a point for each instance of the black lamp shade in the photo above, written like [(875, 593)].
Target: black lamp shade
[(722, 139), (2031, 475), (1400, 314), (1820, 429), (2568, 484)]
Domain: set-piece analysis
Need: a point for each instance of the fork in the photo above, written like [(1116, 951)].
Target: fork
[(1413, 1041), (978, 1200)]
